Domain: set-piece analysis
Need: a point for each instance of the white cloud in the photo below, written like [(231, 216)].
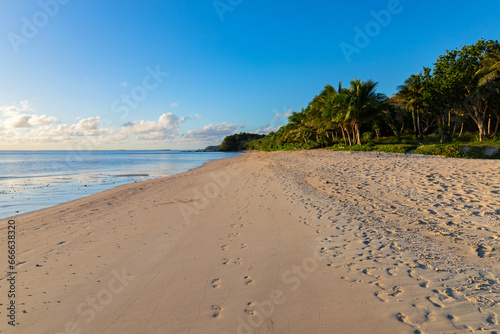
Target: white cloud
[(18, 122), (21, 117), (166, 127), (174, 104), (211, 132), (21, 128), (123, 84)]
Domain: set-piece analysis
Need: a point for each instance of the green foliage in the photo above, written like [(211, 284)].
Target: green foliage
[(436, 109), (371, 146), (367, 135), (456, 151), (476, 152), (237, 142), (446, 150), (396, 148), (212, 148)]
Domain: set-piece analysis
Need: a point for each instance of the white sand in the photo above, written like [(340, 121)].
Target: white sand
[(263, 244)]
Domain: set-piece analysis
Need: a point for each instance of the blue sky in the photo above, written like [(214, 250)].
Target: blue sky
[(183, 74)]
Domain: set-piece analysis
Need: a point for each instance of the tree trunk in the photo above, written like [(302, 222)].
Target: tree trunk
[(418, 124), (496, 127), (348, 135), (343, 135), (414, 122), (454, 129), (356, 127), (479, 118), (461, 129), (489, 125), (480, 126)]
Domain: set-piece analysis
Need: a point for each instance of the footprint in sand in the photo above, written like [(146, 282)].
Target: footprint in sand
[(396, 291), (225, 261), (391, 271), (381, 296), (422, 282), (216, 311), (492, 318), (225, 247), (248, 280), (215, 283), (435, 301), (483, 250), (323, 250), (243, 246), (249, 310), (404, 318), (238, 261)]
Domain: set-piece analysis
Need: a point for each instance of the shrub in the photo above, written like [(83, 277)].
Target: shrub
[(367, 135)]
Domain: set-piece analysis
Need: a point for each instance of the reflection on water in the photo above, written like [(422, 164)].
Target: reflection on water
[(35, 180)]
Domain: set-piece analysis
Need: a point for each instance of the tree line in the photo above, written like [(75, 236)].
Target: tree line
[(460, 94)]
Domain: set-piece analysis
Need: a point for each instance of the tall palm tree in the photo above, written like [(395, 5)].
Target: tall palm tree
[(363, 103), (410, 92)]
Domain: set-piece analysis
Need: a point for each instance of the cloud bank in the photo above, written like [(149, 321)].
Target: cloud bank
[(21, 125)]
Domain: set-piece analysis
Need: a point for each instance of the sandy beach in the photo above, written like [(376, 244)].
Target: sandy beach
[(283, 242)]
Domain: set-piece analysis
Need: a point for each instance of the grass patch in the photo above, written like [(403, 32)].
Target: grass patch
[(396, 148), (445, 150)]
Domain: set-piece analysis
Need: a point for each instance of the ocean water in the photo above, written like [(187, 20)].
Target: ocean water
[(33, 180)]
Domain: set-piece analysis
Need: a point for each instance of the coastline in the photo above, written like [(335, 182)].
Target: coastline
[(65, 178), (307, 241)]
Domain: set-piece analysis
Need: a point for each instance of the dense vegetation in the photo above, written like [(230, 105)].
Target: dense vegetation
[(237, 142), (458, 100)]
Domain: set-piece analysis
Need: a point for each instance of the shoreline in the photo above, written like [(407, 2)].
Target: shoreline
[(26, 194), (272, 242)]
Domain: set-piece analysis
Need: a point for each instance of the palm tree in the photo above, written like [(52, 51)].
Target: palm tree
[(411, 94), (363, 103), (491, 66), (489, 75)]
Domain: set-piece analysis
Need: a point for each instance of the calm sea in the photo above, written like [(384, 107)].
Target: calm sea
[(33, 180)]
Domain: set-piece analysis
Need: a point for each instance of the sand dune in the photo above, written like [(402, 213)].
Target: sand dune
[(284, 242)]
